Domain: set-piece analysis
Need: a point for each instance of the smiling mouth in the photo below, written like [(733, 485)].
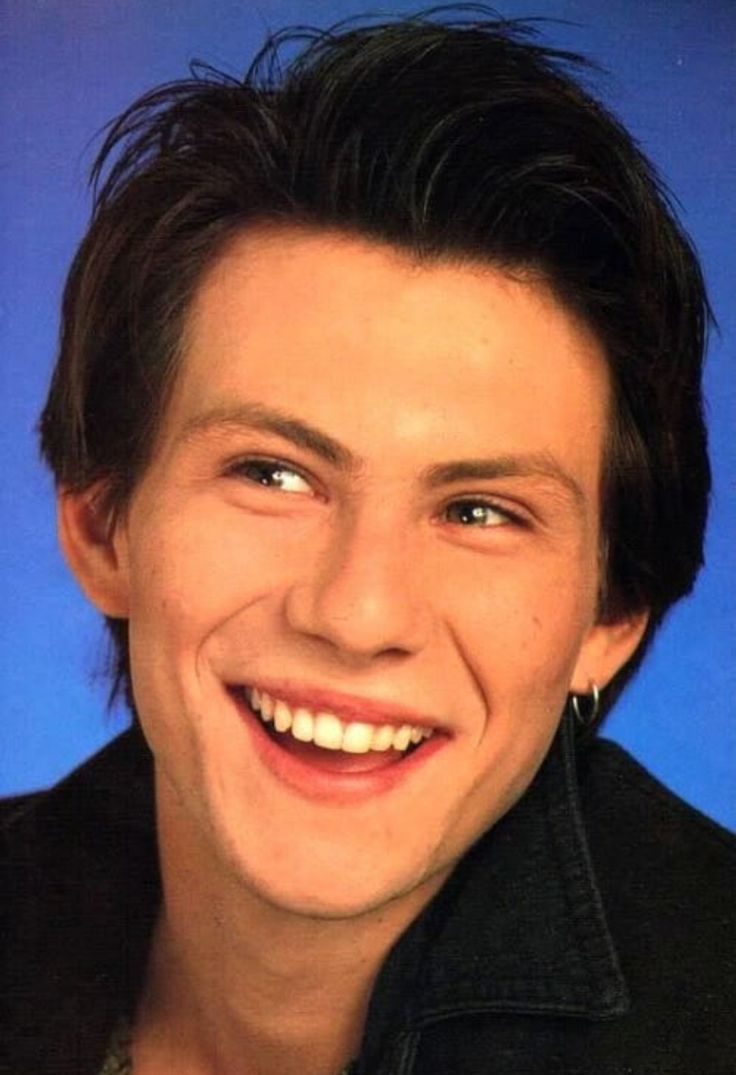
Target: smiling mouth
[(331, 743)]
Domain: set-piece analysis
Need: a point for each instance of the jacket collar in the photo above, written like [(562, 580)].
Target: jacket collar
[(519, 927)]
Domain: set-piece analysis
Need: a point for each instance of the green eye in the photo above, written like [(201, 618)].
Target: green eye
[(477, 513), (272, 475)]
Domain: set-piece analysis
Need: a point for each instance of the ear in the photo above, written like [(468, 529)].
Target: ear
[(95, 548), (606, 649)]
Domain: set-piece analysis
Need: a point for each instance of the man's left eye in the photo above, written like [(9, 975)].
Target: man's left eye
[(272, 475), (477, 513)]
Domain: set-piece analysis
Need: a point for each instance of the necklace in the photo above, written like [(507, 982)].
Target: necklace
[(118, 1060)]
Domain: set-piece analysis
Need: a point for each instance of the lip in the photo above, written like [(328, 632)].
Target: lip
[(327, 786), (348, 707)]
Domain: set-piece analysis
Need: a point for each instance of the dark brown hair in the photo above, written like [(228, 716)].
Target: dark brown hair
[(445, 138)]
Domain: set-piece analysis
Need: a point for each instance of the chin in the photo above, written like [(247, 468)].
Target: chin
[(330, 882)]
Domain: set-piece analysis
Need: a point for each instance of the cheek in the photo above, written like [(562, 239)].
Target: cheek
[(193, 571), (520, 624)]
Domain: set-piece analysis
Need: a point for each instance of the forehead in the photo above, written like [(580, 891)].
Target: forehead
[(374, 346)]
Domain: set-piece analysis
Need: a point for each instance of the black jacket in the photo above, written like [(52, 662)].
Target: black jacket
[(591, 932)]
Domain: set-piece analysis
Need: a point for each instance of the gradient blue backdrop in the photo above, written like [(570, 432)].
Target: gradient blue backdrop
[(68, 66)]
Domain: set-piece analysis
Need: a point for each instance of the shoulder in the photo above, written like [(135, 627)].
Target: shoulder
[(667, 879), (116, 780), (78, 892), (629, 811), (81, 825), (82, 829), (14, 806), (653, 853)]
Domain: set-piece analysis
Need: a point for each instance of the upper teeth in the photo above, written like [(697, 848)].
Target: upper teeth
[(329, 731)]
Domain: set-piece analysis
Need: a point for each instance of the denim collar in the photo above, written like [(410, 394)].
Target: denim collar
[(519, 927)]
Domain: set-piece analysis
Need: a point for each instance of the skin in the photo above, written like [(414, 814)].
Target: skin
[(369, 575)]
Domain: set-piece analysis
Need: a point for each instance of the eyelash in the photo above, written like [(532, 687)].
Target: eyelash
[(240, 467), (475, 503), (265, 466)]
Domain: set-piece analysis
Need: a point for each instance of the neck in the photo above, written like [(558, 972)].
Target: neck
[(239, 985)]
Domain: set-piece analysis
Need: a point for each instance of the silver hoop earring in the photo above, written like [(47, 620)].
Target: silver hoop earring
[(592, 704)]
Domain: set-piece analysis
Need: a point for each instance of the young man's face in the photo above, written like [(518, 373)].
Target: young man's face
[(375, 498)]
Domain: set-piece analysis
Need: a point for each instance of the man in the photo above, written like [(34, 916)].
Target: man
[(378, 440)]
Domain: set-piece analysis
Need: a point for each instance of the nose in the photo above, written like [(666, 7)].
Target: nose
[(363, 595)]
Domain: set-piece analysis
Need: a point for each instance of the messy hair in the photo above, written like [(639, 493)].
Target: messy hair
[(445, 136)]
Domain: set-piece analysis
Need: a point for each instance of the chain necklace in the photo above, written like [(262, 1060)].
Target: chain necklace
[(119, 1061)]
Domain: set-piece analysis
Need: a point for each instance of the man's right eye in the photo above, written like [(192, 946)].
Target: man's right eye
[(272, 474)]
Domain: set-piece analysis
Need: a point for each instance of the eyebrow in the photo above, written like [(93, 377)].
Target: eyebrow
[(250, 416), (257, 416), (527, 465)]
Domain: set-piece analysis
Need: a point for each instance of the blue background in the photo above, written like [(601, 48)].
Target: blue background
[(67, 67)]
